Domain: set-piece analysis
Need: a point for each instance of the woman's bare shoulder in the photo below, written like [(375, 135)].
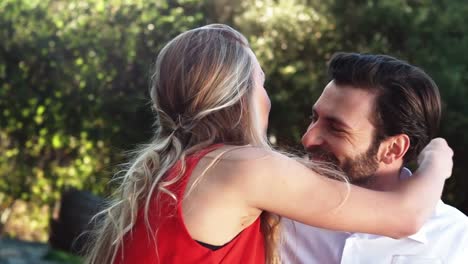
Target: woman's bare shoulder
[(241, 165), (245, 154)]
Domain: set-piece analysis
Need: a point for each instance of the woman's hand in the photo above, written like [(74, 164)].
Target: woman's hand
[(437, 152)]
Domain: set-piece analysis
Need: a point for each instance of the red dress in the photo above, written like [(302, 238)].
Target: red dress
[(174, 243)]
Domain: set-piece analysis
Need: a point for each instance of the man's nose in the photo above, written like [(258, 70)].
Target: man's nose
[(312, 137)]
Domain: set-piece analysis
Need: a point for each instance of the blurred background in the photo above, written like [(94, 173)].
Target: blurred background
[(74, 76)]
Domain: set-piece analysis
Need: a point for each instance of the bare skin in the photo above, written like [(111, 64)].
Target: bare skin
[(248, 180), (341, 124)]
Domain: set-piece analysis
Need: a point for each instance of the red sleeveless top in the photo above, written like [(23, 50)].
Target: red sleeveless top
[(174, 243)]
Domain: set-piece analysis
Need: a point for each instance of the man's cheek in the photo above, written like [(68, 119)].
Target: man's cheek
[(340, 156)]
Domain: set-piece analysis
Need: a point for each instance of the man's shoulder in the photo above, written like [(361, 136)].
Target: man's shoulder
[(450, 214), (291, 227), (308, 244), (449, 221), (296, 229)]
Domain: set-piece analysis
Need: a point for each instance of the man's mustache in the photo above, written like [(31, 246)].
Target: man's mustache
[(321, 154)]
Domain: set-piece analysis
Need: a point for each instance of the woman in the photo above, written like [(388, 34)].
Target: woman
[(208, 188)]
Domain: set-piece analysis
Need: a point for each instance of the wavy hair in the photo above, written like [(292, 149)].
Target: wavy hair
[(201, 94)]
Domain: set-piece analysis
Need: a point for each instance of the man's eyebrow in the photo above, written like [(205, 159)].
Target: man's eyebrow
[(332, 119), (338, 122)]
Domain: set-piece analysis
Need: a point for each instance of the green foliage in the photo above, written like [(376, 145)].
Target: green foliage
[(74, 74), (73, 81), (292, 40)]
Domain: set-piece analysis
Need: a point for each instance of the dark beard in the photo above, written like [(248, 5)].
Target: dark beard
[(360, 170)]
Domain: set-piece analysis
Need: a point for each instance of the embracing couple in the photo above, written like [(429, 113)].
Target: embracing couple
[(209, 188)]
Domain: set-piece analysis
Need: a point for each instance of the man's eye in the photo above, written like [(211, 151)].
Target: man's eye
[(336, 129)]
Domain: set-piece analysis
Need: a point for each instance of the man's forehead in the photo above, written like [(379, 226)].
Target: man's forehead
[(349, 104)]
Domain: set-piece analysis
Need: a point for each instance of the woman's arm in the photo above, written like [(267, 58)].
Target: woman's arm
[(283, 186)]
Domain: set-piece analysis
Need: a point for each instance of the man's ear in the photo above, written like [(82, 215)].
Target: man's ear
[(394, 148)]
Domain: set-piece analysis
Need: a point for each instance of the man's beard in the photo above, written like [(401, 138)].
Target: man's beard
[(360, 170)]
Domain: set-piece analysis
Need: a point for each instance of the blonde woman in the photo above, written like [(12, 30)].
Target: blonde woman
[(208, 187)]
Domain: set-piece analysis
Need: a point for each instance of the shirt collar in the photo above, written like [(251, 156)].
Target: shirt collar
[(420, 236)]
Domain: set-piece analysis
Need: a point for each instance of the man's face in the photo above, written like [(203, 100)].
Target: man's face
[(341, 131)]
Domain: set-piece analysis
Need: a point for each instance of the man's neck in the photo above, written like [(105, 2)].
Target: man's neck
[(385, 179)]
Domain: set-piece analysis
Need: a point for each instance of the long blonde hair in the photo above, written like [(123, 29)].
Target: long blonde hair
[(201, 94)]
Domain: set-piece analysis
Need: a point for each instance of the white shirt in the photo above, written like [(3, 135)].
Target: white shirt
[(443, 237)]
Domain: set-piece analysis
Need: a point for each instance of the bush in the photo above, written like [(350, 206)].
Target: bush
[(74, 75)]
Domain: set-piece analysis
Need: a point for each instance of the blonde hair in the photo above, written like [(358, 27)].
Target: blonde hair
[(201, 94)]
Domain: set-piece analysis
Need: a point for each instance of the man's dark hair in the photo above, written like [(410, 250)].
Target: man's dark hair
[(407, 102)]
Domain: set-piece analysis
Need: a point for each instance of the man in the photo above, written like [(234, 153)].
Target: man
[(372, 119)]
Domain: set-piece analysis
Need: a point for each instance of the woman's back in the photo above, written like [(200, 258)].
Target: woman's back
[(175, 242), (207, 86)]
